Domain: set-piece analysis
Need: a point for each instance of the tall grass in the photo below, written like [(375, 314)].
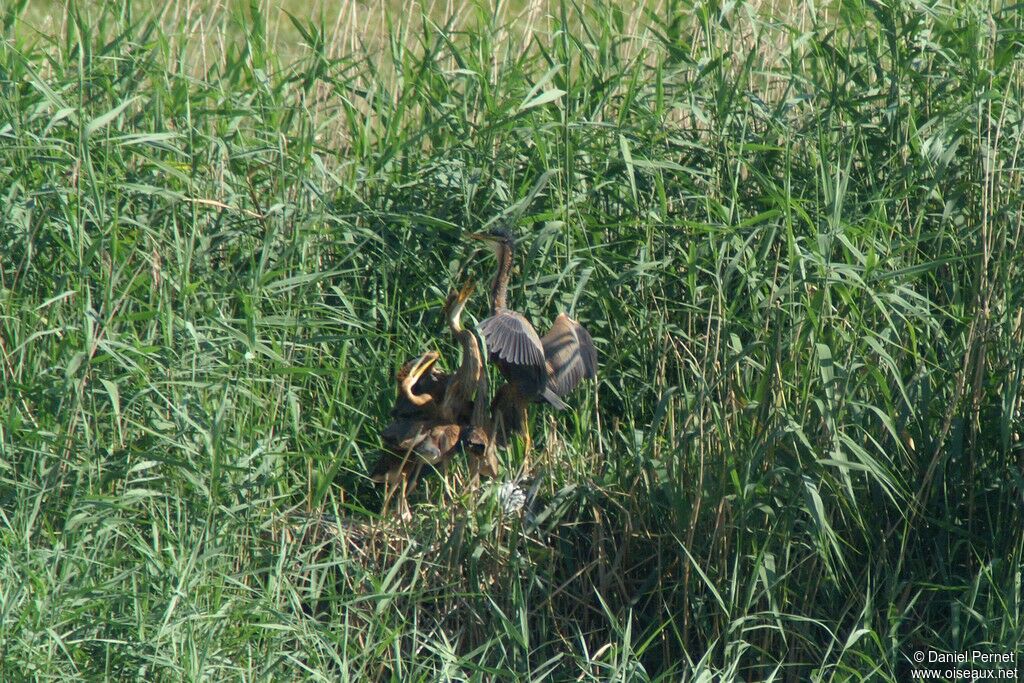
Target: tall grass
[(793, 230)]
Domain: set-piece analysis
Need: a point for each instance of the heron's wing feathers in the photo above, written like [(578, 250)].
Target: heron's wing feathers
[(510, 337), (387, 462), (552, 398), (445, 437), (513, 345), (405, 436), (570, 351)]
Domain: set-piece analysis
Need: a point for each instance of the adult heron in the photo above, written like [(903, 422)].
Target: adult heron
[(536, 369)]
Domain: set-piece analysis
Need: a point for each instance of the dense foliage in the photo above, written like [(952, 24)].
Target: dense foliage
[(795, 234)]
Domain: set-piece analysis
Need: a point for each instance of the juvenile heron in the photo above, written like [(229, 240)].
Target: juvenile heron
[(437, 395), (431, 408), (420, 384), (458, 398), (535, 368), (406, 437), (435, 432)]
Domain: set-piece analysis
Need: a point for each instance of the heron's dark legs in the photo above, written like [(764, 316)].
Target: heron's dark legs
[(486, 464), (476, 469), (489, 466)]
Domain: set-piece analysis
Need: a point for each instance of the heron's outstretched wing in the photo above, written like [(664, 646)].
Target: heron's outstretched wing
[(514, 345), (570, 351), (511, 338)]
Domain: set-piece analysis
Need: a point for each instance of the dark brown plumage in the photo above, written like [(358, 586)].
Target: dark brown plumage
[(535, 369), (432, 408), (478, 436), (428, 387), (405, 438), (569, 351)]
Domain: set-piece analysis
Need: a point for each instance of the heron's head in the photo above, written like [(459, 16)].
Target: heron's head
[(498, 238), (475, 441), (455, 304), (411, 372)]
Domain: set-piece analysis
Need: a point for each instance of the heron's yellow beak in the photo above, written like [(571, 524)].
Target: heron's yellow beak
[(455, 301), (482, 236), (422, 366), (466, 291)]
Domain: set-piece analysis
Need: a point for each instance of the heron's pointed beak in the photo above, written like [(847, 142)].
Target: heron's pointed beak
[(466, 291), (482, 236), (455, 301), (423, 365)]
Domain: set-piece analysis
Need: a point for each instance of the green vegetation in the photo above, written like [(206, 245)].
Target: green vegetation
[(795, 233)]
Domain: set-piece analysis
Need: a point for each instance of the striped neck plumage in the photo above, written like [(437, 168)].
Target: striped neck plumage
[(499, 290), (481, 406)]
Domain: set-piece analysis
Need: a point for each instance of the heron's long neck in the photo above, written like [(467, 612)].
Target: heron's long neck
[(481, 406), (499, 290), (471, 365), (463, 384), (418, 400)]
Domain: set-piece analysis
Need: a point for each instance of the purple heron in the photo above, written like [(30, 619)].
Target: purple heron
[(431, 408), (536, 369), (420, 384), (405, 438), (457, 403)]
